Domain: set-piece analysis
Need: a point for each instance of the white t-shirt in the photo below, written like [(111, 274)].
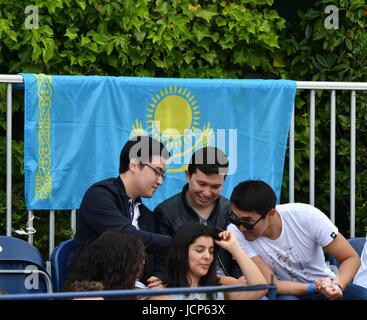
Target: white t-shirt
[(297, 254), (135, 213), (361, 276)]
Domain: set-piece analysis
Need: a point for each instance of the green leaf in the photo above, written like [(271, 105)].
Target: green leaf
[(205, 43), (349, 44), (107, 10), (90, 56), (201, 32), (48, 50), (207, 15), (93, 47), (46, 30), (308, 31), (71, 33), (321, 60), (270, 39), (81, 4), (210, 57), (102, 27), (139, 35), (85, 41), (220, 21), (36, 53), (189, 57), (12, 35), (109, 48), (112, 61)]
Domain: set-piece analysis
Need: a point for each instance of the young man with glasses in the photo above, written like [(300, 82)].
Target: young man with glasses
[(200, 199), (115, 203), (287, 241)]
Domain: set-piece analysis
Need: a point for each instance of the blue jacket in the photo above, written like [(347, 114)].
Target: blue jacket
[(105, 207)]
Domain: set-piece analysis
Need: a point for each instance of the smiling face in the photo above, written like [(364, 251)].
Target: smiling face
[(201, 257), (204, 189), (148, 176)]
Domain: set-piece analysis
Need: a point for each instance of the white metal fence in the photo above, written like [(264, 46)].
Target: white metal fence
[(311, 86)]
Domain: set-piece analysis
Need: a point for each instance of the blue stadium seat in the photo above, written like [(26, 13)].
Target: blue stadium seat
[(59, 259), (356, 243), (22, 268)]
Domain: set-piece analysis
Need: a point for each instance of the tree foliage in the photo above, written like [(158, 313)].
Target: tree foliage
[(142, 38), (201, 39), (313, 52)]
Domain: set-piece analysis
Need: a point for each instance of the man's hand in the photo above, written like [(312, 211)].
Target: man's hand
[(328, 288), (155, 283)]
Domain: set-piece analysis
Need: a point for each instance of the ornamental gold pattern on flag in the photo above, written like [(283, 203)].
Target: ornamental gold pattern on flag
[(43, 176)]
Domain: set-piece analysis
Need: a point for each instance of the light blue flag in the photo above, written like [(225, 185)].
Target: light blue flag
[(75, 127)]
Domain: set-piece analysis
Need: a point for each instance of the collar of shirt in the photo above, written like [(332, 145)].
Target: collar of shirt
[(134, 212)]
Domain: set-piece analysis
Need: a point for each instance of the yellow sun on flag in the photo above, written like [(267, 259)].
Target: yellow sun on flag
[(171, 114)]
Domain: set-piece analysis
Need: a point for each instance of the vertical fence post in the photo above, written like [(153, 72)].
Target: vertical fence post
[(312, 147), (352, 164), (291, 158), (73, 221), (30, 226), (52, 232), (8, 159), (332, 154)]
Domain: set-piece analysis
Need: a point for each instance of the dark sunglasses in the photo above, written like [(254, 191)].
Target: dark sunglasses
[(238, 222)]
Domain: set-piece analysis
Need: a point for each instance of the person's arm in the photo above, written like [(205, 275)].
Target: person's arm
[(164, 226), (252, 274), (102, 211), (283, 286), (349, 262)]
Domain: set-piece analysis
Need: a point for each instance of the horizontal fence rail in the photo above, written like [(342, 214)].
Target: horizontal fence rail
[(301, 85), (141, 292)]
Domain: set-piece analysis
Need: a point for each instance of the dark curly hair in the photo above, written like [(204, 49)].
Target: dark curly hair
[(87, 286), (177, 265), (115, 259)]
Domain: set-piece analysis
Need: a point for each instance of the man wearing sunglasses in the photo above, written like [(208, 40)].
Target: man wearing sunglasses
[(287, 241), (200, 199), (115, 203)]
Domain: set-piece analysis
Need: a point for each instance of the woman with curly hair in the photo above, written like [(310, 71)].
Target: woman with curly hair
[(115, 259), (191, 262)]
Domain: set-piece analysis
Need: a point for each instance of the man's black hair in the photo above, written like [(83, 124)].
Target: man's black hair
[(141, 148), (209, 160), (254, 195)]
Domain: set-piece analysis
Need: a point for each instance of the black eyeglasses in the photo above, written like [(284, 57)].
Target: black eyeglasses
[(238, 222), (158, 171)]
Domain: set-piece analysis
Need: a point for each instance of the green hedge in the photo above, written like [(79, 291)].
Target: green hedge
[(141, 38), (312, 52), (204, 39)]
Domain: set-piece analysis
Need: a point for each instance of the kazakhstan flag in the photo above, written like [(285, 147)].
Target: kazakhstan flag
[(75, 127)]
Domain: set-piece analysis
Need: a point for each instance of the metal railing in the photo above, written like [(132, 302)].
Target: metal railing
[(141, 292), (301, 85), (333, 86)]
